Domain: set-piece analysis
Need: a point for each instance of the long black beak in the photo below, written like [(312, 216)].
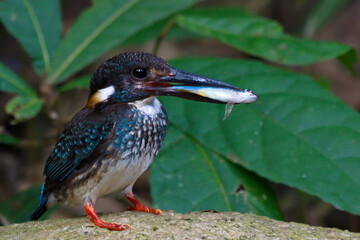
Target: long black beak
[(199, 88)]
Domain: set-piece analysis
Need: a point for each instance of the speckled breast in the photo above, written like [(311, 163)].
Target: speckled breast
[(138, 136)]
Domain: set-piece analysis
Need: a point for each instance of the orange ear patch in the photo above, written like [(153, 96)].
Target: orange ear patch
[(93, 100), (100, 95)]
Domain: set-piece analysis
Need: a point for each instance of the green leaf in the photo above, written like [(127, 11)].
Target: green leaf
[(19, 207), (23, 107), (106, 25), (261, 37), (36, 24), (297, 133), (10, 82), (187, 176), (78, 83), (348, 60), (7, 139)]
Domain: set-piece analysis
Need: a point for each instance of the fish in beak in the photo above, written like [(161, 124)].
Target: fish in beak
[(191, 86)]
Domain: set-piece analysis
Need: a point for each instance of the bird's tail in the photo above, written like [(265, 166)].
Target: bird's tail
[(38, 212), (42, 208)]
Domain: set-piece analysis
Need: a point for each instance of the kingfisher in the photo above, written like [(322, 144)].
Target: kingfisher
[(110, 142)]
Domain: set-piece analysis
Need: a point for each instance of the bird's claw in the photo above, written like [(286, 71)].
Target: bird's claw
[(110, 226), (138, 206), (98, 222), (143, 208)]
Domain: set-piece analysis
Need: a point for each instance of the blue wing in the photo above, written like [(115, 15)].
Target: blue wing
[(79, 139)]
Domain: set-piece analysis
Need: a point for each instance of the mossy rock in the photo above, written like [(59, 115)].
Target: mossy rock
[(194, 225)]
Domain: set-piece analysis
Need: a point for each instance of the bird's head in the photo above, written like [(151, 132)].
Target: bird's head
[(133, 76)]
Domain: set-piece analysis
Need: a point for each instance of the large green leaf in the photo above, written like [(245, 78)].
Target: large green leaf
[(24, 107), (36, 24), (106, 25), (187, 176), (261, 37), (10, 82), (297, 133)]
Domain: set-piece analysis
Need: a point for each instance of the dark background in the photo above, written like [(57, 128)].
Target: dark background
[(22, 169)]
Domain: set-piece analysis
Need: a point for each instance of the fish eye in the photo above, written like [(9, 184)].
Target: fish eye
[(140, 73)]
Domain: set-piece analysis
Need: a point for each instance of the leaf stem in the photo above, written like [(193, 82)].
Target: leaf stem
[(163, 34), (39, 34)]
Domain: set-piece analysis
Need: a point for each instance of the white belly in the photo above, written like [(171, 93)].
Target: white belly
[(120, 177)]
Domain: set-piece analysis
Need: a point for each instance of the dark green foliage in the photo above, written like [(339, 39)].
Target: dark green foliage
[(297, 133), (18, 208), (6, 139)]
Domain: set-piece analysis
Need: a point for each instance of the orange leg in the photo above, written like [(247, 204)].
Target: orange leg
[(96, 219), (138, 206)]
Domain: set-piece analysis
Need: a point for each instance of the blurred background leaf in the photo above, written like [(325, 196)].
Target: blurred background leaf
[(177, 33), (26, 104), (36, 25), (19, 207), (77, 83), (24, 107), (10, 82), (106, 25), (7, 139), (322, 12)]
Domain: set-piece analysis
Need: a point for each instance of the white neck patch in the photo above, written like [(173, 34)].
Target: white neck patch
[(150, 106), (105, 93)]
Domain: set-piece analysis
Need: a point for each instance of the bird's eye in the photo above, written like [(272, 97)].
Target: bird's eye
[(139, 73)]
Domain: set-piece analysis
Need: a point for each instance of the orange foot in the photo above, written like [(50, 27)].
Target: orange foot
[(138, 206), (98, 222)]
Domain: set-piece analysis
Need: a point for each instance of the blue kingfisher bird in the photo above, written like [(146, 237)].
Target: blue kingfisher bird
[(111, 141)]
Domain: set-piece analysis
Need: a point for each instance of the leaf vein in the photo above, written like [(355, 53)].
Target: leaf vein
[(39, 34), (91, 38)]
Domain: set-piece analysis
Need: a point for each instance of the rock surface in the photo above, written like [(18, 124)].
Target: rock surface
[(194, 225)]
